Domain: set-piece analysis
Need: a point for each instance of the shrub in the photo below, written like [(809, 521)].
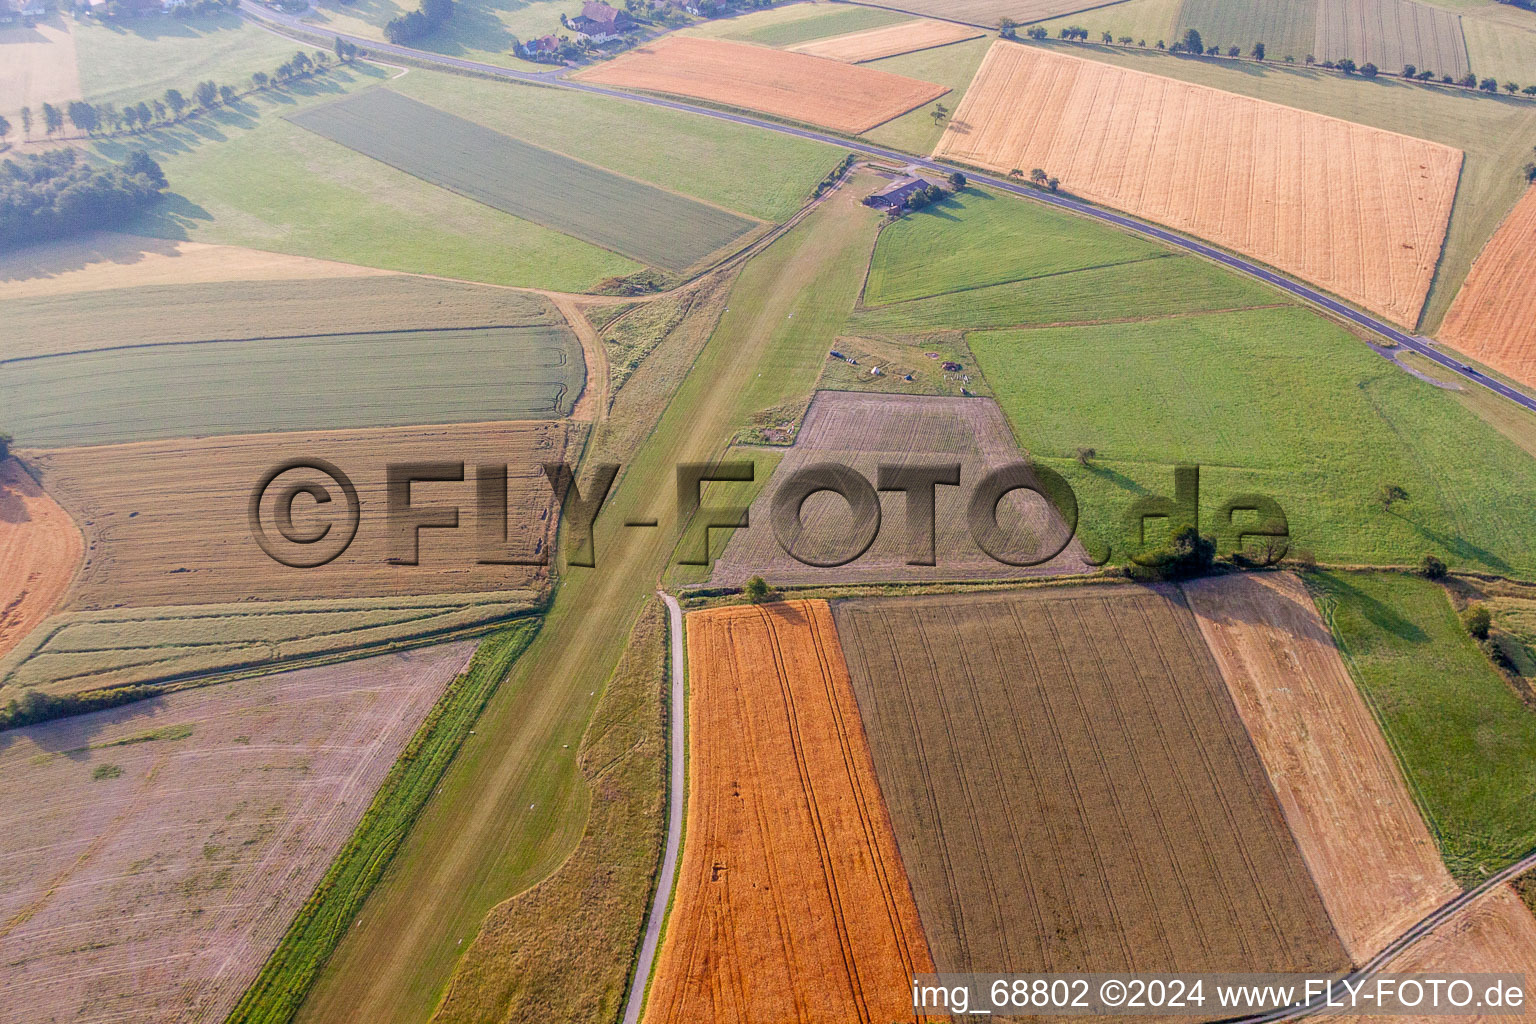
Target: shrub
[(1431, 568), (1478, 620), (1186, 555), (54, 194), (757, 590)]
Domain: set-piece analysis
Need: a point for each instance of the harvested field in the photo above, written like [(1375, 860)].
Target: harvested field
[(1373, 859), (40, 548), (989, 13), (1118, 137), (172, 647), (865, 431), (777, 82), (791, 901), (872, 44), (788, 25), (103, 261), (353, 381), (37, 66), (1493, 319), (177, 312), (1287, 28), (1391, 33), (1072, 788), (645, 223), (154, 854), (166, 522)]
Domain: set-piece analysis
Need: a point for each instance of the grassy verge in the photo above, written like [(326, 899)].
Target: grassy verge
[(276, 993), (1465, 740)]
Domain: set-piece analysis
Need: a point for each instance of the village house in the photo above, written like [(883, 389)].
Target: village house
[(600, 23), (542, 48)]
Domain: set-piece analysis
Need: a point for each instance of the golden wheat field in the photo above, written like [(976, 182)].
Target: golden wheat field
[(888, 40), (1494, 317)]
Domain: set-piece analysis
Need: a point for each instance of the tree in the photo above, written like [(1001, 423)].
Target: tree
[(1107, 37), (1409, 71), (939, 112), (1478, 620), (1016, 173), (1193, 43), (1036, 32), (1051, 183), (5, 129), (1186, 554), (131, 115), (5, 444), (227, 94), (1431, 568), (26, 121), (1234, 51), (1311, 60), (757, 590), (1530, 173), (159, 110), (84, 116), (1388, 495), (1529, 90), (176, 101), (1467, 81), (1213, 50), (1258, 51), (144, 113), (1086, 455), (53, 119), (1038, 175), (302, 63), (1369, 70), (1488, 85), (957, 181), (261, 80), (206, 94), (1008, 28), (1511, 88), (1347, 66)]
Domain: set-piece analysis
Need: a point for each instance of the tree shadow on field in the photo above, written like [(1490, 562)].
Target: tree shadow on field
[(15, 487), (167, 26), (1379, 614), (71, 737), (49, 259)]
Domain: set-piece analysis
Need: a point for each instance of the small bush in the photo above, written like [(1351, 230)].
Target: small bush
[(757, 590), (1431, 568), (1478, 621), (1186, 555), (107, 771)]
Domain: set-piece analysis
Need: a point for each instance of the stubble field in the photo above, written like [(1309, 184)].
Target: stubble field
[(1391, 33), (888, 41), (1493, 319), (1374, 861), (1287, 28), (40, 548), (1072, 788), (1242, 173), (181, 834), (989, 13), (839, 96), (791, 901), (37, 66)]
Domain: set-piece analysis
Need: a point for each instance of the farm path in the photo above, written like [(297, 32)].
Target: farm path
[(1337, 307), (594, 396)]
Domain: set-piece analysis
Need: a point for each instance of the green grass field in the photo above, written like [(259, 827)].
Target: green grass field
[(139, 58), (389, 379), (1285, 27), (1142, 20), (80, 651), (646, 224), (758, 173), (514, 804), (322, 921), (978, 238), (1496, 135), (1505, 52), (1279, 402), (482, 30), (1465, 740), (954, 66), (796, 23)]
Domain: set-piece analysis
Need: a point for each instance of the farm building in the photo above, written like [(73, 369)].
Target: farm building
[(598, 22), (898, 194), (543, 47)]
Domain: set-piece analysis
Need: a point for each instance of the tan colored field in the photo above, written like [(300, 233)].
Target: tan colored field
[(888, 41), (791, 901), (103, 260), (991, 12), (1496, 934), (1358, 211), (1493, 319), (151, 856), (40, 549), (1072, 789), (167, 522), (37, 66), (1373, 859), (792, 85)]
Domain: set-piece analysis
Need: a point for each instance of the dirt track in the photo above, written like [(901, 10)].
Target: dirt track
[(1374, 861), (40, 549)]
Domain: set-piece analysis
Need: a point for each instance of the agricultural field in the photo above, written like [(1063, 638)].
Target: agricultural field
[(41, 549), (37, 66), (1142, 20), (989, 13), (953, 66), (1072, 788), (1113, 136), (149, 544), (482, 30), (1501, 51), (1463, 736), (1324, 424), (1374, 862), (904, 37), (128, 314), (793, 24), (181, 834), (965, 242), (1391, 33), (1287, 28), (643, 223), (178, 646), (842, 97), (864, 432), (791, 874), (1493, 320)]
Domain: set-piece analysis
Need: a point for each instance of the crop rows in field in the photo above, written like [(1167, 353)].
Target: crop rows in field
[(167, 522), (1287, 28), (646, 223), (179, 836), (356, 381), (791, 901), (989, 13), (846, 98), (1494, 316), (1357, 210), (40, 549), (888, 41), (1390, 34), (1072, 788), (867, 431)]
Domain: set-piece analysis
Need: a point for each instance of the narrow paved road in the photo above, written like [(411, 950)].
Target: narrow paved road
[(1411, 342), (674, 825)]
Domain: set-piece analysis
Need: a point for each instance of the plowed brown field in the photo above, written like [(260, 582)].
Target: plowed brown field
[(1072, 789), (888, 41), (793, 85), (40, 549), (1359, 211), (792, 904), (1494, 317), (167, 522), (1372, 857)]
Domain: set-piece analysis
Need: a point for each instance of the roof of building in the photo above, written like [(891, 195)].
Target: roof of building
[(596, 10)]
